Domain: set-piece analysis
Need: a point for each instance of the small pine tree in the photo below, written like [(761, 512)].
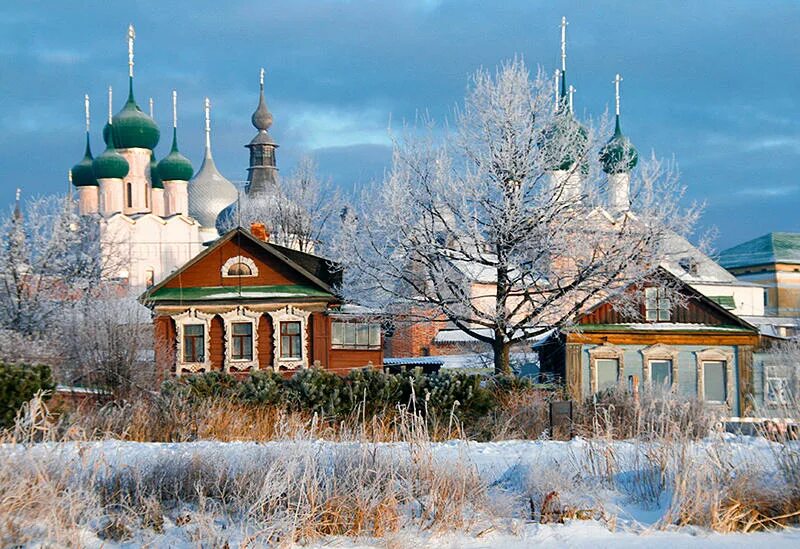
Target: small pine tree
[(18, 384)]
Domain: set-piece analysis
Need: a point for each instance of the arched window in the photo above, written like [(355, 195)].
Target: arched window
[(130, 194), (240, 269), (239, 266)]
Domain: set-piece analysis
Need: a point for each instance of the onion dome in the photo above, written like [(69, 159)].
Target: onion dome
[(132, 127), (82, 174), (209, 191), (155, 180), (110, 164), (175, 166), (618, 155), (563, 142)]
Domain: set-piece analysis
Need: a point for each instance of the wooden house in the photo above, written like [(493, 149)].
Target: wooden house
[(680, 340), (246, 304)]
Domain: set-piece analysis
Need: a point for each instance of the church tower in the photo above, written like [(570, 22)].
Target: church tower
[(110, 168), (175, 171), (262, 172), (564, 142), (83, 176), (618, 157)]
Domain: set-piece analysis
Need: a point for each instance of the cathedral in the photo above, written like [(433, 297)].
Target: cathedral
[(157, 215)]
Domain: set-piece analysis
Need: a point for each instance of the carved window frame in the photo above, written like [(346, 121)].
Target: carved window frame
[(289, 313), (237, 315), (606, 351), (192, 316), (659, 351), (715, 355), (235, 260)]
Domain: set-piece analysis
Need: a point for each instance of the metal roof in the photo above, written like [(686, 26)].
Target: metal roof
[(764, 250)]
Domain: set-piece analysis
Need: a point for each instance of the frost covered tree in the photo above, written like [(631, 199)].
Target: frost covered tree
[(48, 254), (298, 213), (495, 223)]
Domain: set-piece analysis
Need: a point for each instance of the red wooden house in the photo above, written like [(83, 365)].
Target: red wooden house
[(246, 304)]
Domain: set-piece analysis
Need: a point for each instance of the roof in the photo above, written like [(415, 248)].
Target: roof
[(766, 249), (209, 192), (662, 327), (321, 274), (223, 293), (410, 361), (691, 265)]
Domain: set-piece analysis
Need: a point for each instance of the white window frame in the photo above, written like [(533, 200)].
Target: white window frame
[(289, 313), (235, 260), (605, 351), (369, 346), (238, 315), (192, 316), (783, 392), (715, 355), (661, 297), (661, 352)]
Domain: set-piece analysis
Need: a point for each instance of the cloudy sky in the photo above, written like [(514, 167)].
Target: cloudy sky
[(716, 84)]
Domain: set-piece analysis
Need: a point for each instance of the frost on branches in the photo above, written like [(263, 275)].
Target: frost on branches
[(497, 223), (298, 213)]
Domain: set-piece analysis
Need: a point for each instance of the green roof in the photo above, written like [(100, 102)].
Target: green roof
[(764, 250), (228, 293), (618, 155), (175, 166), (133, 128), (725, 301)]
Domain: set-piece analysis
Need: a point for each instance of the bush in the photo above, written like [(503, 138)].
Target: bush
[(18, 384), (318, 391), (267, 388), (201, 387), (373, 390)]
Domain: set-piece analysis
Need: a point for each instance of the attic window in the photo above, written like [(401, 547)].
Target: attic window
[(688, 264), (657, 305), (239, 266)]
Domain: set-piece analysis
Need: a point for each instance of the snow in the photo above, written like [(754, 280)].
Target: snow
[(506, 467)]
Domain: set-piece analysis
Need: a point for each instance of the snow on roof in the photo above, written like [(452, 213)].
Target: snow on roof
[(455, 335), (692, 266), (432, 360)]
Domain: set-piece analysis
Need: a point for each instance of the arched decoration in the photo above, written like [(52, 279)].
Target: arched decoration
[(241, 317), (184, 362), (606, 351), (239, 266), (659, 351), (290, 317), (716, 355)]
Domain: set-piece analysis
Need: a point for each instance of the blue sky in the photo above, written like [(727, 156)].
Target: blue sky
[(716, 84)]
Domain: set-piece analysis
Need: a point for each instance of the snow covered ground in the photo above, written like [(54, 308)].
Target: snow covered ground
[(513, 471)]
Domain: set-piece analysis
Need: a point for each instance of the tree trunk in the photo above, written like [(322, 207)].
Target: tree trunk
[(501, 348)]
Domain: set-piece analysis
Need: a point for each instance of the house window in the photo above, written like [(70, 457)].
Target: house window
[(354, 335), (607, 373), (777, 391), (239, 266), (661, 373), (290, 340), (715, 382), (149, 277), (240, 269), (242, 338), (194, 344), (688, 264), (130, 194), (657, 305)]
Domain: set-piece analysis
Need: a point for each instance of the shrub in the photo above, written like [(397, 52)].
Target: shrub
[(318, 391), (202, 386), (18, 384), (261, 387), (373, 390)]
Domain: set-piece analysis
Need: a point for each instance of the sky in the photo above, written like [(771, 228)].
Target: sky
[(713, 84)]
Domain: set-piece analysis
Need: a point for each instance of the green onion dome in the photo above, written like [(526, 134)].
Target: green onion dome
[(110, 164), (175, 166), (155, 179), (82, 174), (133, 128), (618, 155), (563, 142)]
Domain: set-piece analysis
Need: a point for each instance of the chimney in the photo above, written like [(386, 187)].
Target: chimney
[(259, 231)]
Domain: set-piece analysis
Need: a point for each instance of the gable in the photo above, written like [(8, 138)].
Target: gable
[(695, 309), (208, 272)]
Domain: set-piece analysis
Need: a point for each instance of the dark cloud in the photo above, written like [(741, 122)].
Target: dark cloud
[(714, 83)]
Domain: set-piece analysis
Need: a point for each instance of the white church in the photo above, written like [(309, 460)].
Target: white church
[(154, 216)]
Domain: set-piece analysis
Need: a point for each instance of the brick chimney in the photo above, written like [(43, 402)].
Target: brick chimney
[(259, 231)]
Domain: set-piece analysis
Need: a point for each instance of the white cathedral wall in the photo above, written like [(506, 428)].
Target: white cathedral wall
[(138, 178), (133, 249), (111, 200), (88, 199), (176, 197)]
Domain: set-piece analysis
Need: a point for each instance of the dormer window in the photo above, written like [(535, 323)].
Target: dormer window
[(239, 266), (657, 305), (688, 264)]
